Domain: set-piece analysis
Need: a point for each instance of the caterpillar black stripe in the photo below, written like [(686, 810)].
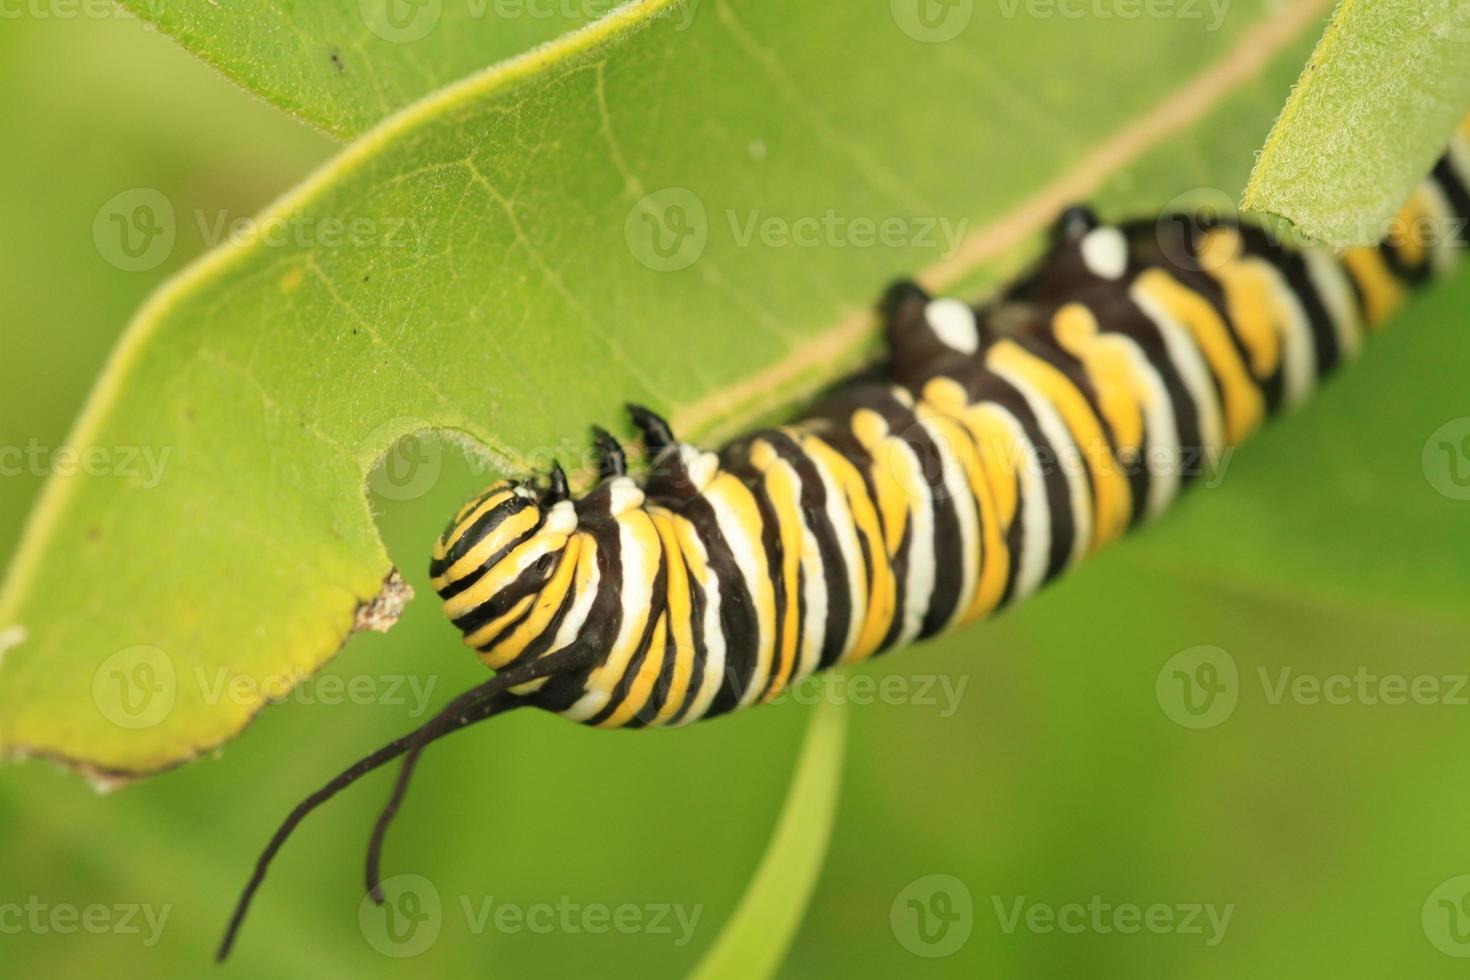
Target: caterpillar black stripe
[(1000, 445)]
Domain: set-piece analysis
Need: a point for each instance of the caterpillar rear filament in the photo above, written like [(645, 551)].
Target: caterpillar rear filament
[(997, 447)]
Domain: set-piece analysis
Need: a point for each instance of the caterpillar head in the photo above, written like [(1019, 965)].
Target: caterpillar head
[(496, 558), (502, 567)]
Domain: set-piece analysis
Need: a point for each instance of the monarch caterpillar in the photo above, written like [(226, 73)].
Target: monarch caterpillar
[(996, 447)]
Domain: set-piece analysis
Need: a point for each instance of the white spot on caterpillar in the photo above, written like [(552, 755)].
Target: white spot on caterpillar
[(954, 324), (625, 495), (1106, 252), (561, 518), (701, 466)]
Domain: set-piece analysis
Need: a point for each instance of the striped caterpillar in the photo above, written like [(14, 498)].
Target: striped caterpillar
[(995, 447)]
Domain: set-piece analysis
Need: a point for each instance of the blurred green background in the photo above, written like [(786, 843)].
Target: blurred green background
[(1058, 776)]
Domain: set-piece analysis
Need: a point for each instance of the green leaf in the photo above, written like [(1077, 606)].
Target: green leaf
[(754, 941), (1385, 87), (483, 266), (345, 66)]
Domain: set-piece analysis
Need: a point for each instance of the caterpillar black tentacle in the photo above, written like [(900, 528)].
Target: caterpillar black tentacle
[(346, 778), (557, 489), (996, 447), (612, 461)]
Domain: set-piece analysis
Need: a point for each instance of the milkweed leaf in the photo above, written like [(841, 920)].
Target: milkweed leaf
[(1372, 111)]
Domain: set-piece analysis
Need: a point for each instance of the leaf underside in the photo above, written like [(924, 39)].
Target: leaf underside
[(1370, 114), (489, 278), (344, 66)]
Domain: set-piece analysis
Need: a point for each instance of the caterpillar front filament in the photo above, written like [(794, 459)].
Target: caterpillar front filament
[(996, 447)]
